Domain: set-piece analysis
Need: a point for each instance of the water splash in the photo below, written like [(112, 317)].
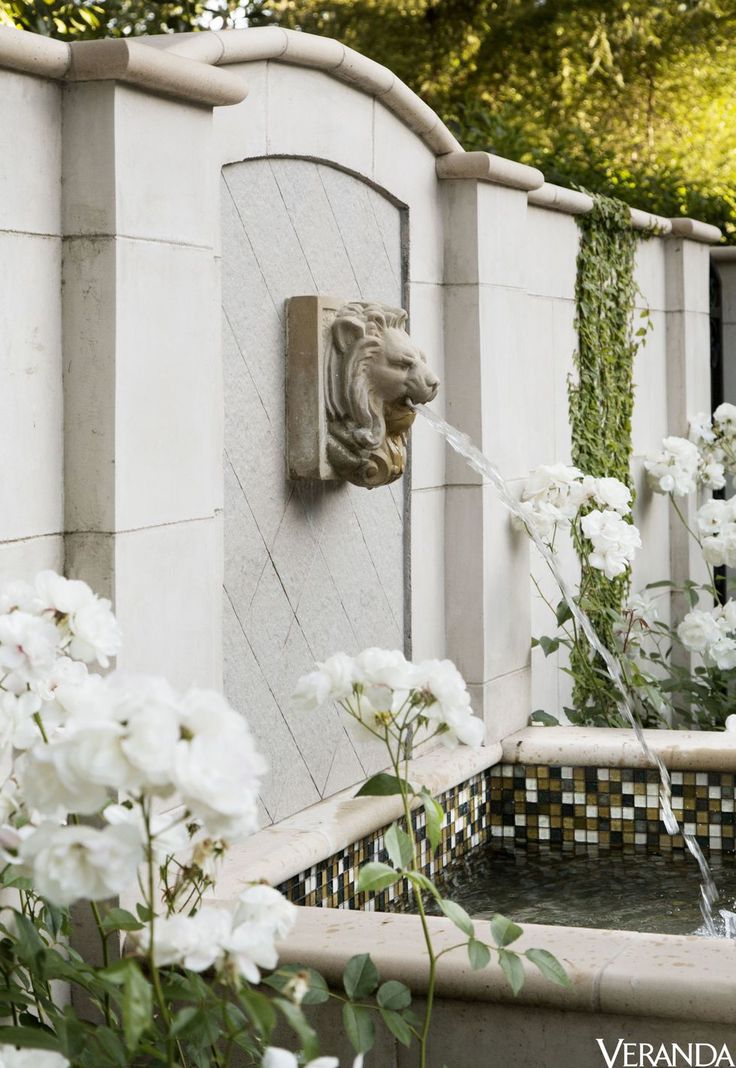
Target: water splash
[(462, 445)]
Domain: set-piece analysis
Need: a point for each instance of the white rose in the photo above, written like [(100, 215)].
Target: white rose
[(723, 653), (613, 494), (698, 630), (248, 948), (614, 542), (168, 831), (10, 1057), (208, 712), (69, 864), (28, 646), (729, 614), (193, 942), (701, 429), (541, 517), (712, 474), (312, 691), (730, 723), (340, 670), (711, 517), (721, 549), (95, 633), (674, 470), (20, 595), (61, 594), (263, 905), (218, 779), (725, 418), (53, 789), (384, 667)]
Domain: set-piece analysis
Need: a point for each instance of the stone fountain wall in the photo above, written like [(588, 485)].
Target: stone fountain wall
[(160, 200), (309, 568)]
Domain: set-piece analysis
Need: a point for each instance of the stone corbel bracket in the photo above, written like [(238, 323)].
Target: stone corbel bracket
[(351, 369)]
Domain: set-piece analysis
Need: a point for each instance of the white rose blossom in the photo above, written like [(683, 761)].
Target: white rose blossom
[(263, 905), (699, 630), (69, 864), (675, 468), (614, 542)]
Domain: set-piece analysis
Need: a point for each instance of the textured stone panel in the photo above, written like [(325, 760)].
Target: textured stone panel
[(310, 568)]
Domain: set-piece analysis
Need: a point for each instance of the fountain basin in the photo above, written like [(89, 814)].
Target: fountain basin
[(643, 987)]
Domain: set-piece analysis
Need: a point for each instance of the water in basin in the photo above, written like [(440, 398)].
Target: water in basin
[(586, 887)]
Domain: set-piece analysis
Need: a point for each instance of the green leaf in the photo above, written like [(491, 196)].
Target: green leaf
[(458, 915), (360, 977), (376, 876), (512, 968), (548, 645), (259, 1010), (549, 966), (504, 931), (137, 1004), (184, 1019), (435, 816), (396, 1024), (540, 716), (394, 995), (120, 920), (29, 1038), (358, 1023), (563, 613), (383, 785), (317, 993), (399, 846), (478, 954), (298, 1023)]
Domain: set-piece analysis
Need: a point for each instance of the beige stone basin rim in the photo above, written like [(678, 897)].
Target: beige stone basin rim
[(618, 972)]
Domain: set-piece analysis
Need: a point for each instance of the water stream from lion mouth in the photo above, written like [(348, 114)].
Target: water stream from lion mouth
[(480, 463)]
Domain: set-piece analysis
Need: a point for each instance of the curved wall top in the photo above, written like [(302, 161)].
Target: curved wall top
[(190, 66)]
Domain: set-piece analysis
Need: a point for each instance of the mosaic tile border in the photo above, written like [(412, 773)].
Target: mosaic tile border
[(331, 883), (609, 808)]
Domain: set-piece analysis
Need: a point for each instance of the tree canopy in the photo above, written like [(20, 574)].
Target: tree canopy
[(627, 97)]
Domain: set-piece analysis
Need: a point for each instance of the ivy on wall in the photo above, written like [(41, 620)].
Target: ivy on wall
[(601, 402)]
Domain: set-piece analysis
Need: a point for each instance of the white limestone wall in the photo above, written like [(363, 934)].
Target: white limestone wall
[(310, 569), (31, 409), (182, 213)]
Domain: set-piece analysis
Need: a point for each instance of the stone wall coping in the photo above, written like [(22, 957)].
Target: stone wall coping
[(188, 66), (279, 852), (575, 202), (669, 977), (618, 748), (485, 167), (695, 230), (129, 61)]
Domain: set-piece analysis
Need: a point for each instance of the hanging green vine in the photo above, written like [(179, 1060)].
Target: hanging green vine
[(601, 402)]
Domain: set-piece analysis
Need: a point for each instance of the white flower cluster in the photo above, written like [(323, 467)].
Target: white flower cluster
[(556, 496), (383, 690), (74, 743), (704, 458), (711, 633), (675, 468), (716, 525), (236, 944)]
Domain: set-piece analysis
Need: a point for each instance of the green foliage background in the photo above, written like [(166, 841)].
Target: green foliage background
[(632, 98)]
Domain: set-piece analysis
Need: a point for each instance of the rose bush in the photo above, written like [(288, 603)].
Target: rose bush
[(680, 674), (121, 787)]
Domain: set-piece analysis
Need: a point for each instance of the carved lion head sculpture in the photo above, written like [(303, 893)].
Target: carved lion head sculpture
[(373, 368)]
